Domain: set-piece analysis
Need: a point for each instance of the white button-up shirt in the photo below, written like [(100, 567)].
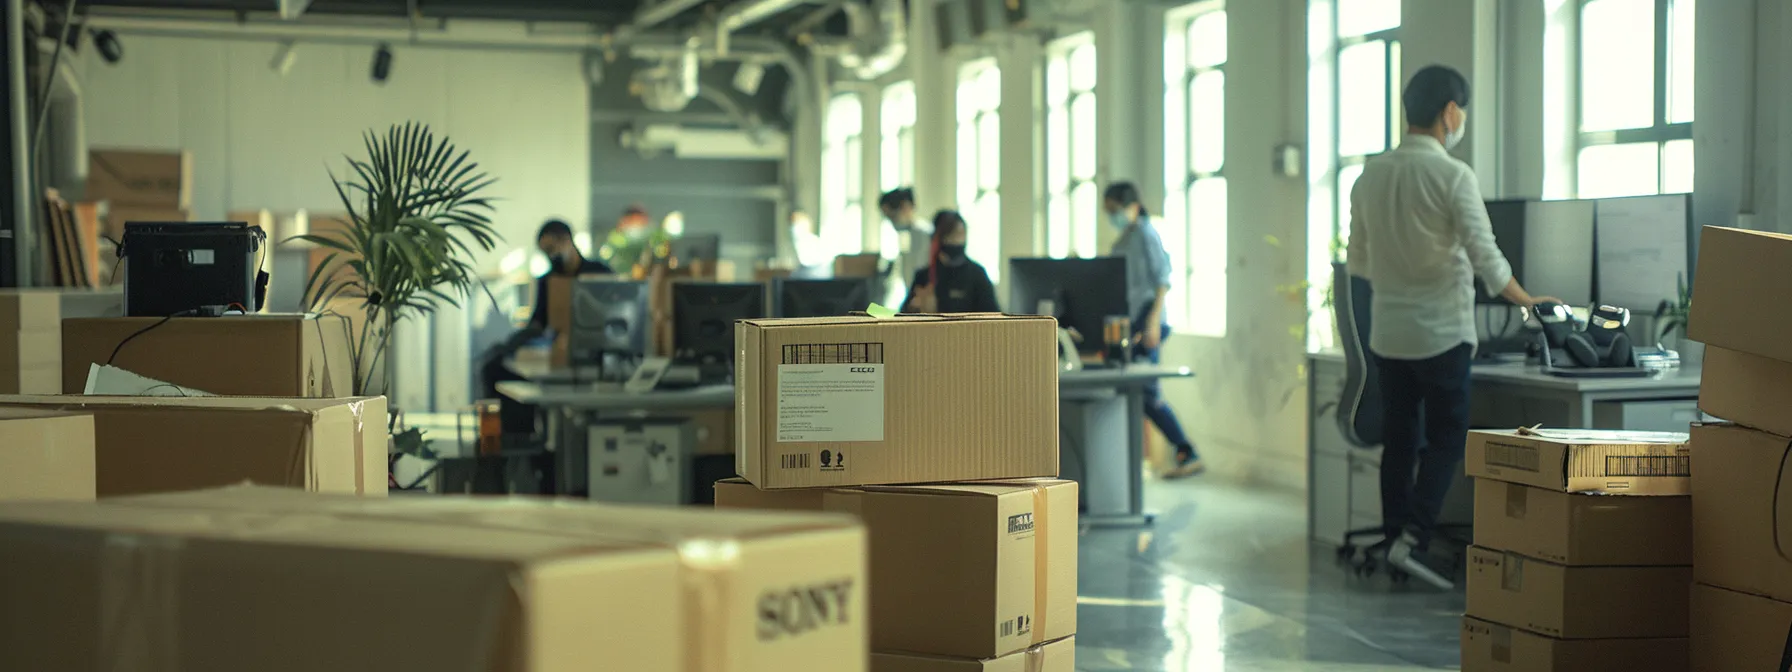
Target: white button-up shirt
[(1419, 234)]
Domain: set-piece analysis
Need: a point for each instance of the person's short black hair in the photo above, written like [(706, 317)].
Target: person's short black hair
[(1430, 90), (556, 228), (1123, 194), (896, 198)]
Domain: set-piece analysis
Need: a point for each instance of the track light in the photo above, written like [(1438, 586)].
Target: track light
[(748, 77), (106, 42), (382, 63), (284, 56)]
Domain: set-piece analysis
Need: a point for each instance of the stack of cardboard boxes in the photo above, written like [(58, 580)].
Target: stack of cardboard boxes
[(1583, 552), (30, 341), (968, 572), (1742, 505)]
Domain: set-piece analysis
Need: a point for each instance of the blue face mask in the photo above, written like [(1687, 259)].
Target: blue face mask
[(1119, 220)]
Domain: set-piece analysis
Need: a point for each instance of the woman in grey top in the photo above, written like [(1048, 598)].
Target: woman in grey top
[(1147, 280)]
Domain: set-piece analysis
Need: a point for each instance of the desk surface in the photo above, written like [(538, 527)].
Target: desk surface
[(546, 388), (1519, 373)]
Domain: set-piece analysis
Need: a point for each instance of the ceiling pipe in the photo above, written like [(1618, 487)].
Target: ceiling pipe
[(660, 12), (745, 13)]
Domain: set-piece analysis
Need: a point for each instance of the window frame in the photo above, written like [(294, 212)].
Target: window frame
[(841, 232), (1662, 131), (1396, 118), (903, 143), (983, 230), (1182, 181), (1080, 232)]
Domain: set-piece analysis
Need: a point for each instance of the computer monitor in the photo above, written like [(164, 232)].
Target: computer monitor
[(1081, 293), (609, 317), (819, 298), (704, 314), (1508, 218), (1558, 251), (704, 247), (1643, 249)]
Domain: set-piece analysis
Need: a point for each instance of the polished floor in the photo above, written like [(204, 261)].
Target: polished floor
[(1227, 581)]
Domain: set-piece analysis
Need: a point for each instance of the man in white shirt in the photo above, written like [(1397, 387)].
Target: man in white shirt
[(1420, 235)]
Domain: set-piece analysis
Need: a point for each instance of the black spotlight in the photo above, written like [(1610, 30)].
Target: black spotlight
[(382, 63), (108, 45)]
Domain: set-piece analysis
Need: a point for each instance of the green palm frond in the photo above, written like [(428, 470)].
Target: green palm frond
[(416, 213)]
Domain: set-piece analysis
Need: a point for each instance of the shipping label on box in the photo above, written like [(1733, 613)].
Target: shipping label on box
[(1055, 656), (1582, 529), (1737, 631), (968, 571), (45, 455), (514, 584), (844, 401), (1583, 460), (1577, 602), (1742, 513), (1491, 647)]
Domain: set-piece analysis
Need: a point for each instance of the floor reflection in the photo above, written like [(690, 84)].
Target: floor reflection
[(1226, 581)]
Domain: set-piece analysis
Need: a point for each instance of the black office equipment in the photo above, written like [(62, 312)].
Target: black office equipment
[(703, 315), (704, 247), (186, 267), (819, 298), (1081, 293), (1509, 232), (609, 323)]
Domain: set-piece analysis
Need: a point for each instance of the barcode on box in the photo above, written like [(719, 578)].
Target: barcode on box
[(1648, 465), (794, 461), (834, 353), (1008, 628)]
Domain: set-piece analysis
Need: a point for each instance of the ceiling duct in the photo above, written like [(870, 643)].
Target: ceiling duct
[(671, 84), (878, 39)]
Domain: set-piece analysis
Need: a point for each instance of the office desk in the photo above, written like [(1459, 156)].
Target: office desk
[(1111, 471), (1344, 482)]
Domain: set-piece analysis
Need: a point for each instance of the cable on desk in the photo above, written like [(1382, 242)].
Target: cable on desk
[(145, 330)]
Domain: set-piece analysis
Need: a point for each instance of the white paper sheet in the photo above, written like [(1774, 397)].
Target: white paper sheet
[(113, 381)]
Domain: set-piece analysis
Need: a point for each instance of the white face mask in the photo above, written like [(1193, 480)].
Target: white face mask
[(1453, 136)]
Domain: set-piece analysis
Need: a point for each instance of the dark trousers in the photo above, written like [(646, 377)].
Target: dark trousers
[(1155, 408), (515, 418), (1425, 407)]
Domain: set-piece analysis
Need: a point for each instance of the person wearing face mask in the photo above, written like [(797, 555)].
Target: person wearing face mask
[(1419, 233), (951, 282), (906, 243), (564, 259), (1147, 281)]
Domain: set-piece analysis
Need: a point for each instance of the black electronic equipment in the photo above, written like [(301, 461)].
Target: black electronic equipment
[(1081, 293), (609, 322), (704, 247), (703, 316), (820, 298), (1601, 350), (185, 267), (1508, 221)]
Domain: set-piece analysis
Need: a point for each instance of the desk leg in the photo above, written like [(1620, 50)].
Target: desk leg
[(1135, 467)]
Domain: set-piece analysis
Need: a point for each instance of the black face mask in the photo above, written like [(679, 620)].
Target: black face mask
[(952, 255)]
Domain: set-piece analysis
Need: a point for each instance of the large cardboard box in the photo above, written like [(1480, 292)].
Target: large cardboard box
[(1056, 656), (1740, 510), (141, 177), (120, 214), (31, 361), (1577, 602), (1573, 529), (1734, 631), (1491, 647), (243, 355), (45, 455), (969, 570), (282, 581), (1742, 276), (1747, 389), (1583, 460), (30, 310), (857, 400), (166, 444)]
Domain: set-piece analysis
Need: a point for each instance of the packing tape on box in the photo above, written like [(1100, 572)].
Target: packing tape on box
[(1041, 565), (354, 408), (709, 566), (1035, 659)]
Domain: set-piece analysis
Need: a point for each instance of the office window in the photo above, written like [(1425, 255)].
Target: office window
[(842, 184), (1194, 224), (1073, 207), (979, 161), (1636, 97), (896, 157), (1370, 119)]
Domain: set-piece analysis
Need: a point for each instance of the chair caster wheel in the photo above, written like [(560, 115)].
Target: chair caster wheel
[(1346, 554)]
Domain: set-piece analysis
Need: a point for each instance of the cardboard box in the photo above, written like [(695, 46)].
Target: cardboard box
[(1571, 529), (1742, 276), (1583, 460), (842, 401), (1055, 656), (857, 265), (161, 179), (120, 214), (1740, 524), (250, 355), (30, 310), (1491, 647), (1746, 389), (350, 583), (1734, 631), (33, 348), (969, 570), (32, 379), (45, 455), (1577, 602), (167, 444)]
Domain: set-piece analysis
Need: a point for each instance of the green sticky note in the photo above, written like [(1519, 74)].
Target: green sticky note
[(880, 312)]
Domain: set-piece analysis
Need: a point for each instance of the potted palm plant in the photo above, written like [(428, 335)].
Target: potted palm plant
[(1671, 318), (416, 212)]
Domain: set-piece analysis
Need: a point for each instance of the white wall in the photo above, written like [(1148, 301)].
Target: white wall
[(263, 140)]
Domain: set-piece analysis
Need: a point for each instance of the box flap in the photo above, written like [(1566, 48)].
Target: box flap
[(1737, 270), (978, 489), (905, 318)]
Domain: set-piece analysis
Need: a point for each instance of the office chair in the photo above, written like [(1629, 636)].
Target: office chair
[(1359, 413)]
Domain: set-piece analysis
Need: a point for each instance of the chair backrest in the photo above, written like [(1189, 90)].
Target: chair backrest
[(1359, 407)]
